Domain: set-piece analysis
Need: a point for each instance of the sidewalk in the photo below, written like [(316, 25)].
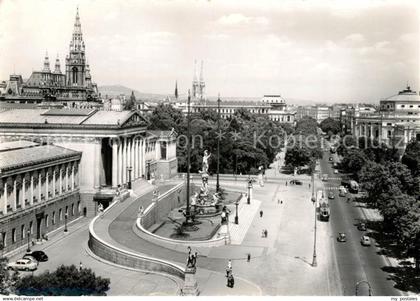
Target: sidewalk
[(71, 248)]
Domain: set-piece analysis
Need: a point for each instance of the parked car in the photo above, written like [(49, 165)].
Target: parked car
[(335, 171), (38, 255), (342, 191), (335, 164), (296, 182), (331, 195), (330, 158), (365, 240), (23, 264), (361, 226), (341, 237)]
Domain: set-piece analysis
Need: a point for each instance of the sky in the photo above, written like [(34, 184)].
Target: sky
[(324, 51)]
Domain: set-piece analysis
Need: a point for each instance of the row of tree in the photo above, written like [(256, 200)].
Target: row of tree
[(247, 140), (304, 146), (392, 186)]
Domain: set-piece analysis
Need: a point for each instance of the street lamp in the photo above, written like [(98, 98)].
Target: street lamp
[(28, 233), (188, 219), (236, 216), (314, 262), (249, 190), (65, 222), (129, 169), (218, 143)]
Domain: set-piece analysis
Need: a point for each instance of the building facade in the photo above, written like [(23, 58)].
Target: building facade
[(115, 145), (39, 191), (273, 106), (72, 88), (395, 123)]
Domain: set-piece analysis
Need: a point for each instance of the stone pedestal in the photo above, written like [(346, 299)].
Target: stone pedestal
[(190, 283)]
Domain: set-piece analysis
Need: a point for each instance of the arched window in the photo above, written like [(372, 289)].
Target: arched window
[(74, 75)]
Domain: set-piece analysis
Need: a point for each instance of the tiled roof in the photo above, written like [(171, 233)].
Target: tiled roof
[(36, 116), (33, 155), (158, 133), (404, 97), (69, 112), (10, 145)]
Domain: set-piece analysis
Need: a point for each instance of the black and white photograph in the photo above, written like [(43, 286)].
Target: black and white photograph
[(202, 148)]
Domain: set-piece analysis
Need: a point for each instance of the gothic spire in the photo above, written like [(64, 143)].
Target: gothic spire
[(195, 71), (176, 89), (201, 72), (46, 63), (57, 68), (77, 43)]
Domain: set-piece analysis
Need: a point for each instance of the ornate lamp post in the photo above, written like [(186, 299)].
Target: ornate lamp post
[(28, 233), (249, 190), (236, 216), (218, 143), (129, 170), (65, 222), (314, 263)]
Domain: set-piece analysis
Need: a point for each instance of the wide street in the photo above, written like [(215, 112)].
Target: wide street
[(355, 262)]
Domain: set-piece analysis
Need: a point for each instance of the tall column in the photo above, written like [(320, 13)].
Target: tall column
[(31, 197), (97, 158), (72, 175), (137, 159), (60, 174), (67, 177), (114, 164), (39, 186), (5, 200), (124, 160), (23, 191), (14, 200), (53, 182), (143, 153), (119, 157), (132, 148), (46, 186)]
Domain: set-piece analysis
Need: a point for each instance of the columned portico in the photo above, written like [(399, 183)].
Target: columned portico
[(114, 163)]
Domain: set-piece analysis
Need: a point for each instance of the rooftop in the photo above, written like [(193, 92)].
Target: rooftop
[(404, 95), (32, 155), (12, 145)]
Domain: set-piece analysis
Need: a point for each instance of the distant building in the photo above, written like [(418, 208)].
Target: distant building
[(198, 85), (397, 121), (72, 88), (39, 190), (273, 106)]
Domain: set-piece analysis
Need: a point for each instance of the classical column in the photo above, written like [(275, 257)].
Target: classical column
[(137, 158), (53, 182), (72, 175), (39, 186), (124, 160), (97, 158), (31, 197), (114, 163), (23, 191), (14, 202), (143, 153), (67, 177), (132, 162), (46, 186), (5, 201), (60, 174), (120, 162)]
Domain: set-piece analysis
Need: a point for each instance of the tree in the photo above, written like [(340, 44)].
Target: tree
[(297, 156), (65, 281), (130, 103), (7, 278), (411, 157), (307, 126), (353, 161), (166, 117), (330, 126)]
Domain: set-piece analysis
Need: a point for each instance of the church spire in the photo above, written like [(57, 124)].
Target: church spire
[(176, 89), (57, 68), (46, 63), (201, 72), (77, 43)]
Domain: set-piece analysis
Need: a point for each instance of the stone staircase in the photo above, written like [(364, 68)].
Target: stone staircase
[(141, 186)]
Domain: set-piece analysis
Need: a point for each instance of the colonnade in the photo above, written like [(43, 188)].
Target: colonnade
[(22, 190)]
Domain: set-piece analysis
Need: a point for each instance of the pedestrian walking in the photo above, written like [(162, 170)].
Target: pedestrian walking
[(80, 266), (229, 268), (286, 183), (265, 233), (261, 213), (309, 185)]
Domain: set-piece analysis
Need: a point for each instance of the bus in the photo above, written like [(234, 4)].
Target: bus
[(324, 207)]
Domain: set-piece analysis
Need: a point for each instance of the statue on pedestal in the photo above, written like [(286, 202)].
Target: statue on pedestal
[(206, 157)]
